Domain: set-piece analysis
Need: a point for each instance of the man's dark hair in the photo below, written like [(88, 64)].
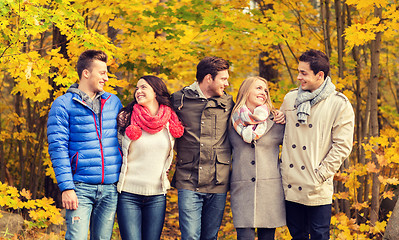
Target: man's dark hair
[(210, 65), (87, 57), (318, 61)]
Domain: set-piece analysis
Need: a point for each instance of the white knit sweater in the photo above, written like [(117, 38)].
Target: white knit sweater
[(145, 162)]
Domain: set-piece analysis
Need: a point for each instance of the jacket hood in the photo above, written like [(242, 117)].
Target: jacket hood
[(192, 92)]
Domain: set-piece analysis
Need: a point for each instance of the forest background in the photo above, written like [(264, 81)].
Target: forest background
[(40, 41)]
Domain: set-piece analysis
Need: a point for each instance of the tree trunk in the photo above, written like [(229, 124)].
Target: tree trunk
[(37, 175), (325, 19), (374, 128), (340, 20), (50, 188), (358, 132), (2, 160), (366, 134), (267, 64), (112, 32), (286, 64), (18, 104), (267, 67)]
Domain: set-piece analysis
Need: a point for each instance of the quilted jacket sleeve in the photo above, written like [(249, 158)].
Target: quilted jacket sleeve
[(58, 141)]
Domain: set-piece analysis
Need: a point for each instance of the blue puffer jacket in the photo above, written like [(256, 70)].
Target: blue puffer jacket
[(82, 146)]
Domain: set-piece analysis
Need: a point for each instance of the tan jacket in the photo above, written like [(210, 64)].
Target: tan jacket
[(312, 153), (203, 152)]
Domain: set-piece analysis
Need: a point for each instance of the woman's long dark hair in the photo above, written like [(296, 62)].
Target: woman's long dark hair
[(161, 95)]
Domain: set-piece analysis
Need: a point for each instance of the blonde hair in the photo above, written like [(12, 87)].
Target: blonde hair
[(243, 93)]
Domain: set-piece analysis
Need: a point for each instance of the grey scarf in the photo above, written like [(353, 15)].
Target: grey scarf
[(305, 99)]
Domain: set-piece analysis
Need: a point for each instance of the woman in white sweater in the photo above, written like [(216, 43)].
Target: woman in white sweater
[(147, 129)]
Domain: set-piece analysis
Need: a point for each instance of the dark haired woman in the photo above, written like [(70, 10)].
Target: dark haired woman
[(147, 129)]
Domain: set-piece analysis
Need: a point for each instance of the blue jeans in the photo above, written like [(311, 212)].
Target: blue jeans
[(200, 214), (303, 221), (141, 217), (249, 233), (97, 207)]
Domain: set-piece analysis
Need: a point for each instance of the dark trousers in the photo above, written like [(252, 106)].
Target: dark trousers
[(249, 233), (303, 221)]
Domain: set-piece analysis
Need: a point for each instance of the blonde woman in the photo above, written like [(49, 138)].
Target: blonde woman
[(257, 197)]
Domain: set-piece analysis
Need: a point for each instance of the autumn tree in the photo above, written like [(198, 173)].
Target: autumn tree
[(41, 40)]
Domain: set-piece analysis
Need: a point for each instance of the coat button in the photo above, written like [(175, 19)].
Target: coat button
[(293, 146), (300, 188), (304, 147), (303, 167), (253, 162), (289, 186), (291, 165), (297, 124), (310, 125), (253, 179)]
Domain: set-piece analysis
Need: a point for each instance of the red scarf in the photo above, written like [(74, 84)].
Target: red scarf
[(142, 120)]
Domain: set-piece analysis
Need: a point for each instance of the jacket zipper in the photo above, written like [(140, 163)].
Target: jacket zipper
[(101, 146), (99, 135)]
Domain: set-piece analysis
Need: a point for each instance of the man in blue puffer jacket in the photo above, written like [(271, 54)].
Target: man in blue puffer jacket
[(84, 150)]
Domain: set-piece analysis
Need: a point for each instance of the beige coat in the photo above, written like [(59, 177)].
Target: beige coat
[(312, 153), (257, 197)]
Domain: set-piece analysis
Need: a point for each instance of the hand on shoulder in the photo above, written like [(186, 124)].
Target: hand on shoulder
[(279, 117)]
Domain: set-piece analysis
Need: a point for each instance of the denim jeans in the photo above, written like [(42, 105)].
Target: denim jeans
[(97, 207), (200, 214), (141, 217), (303, 220), (249, 233)]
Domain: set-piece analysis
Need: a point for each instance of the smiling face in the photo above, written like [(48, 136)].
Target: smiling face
[(145, 95), (308, 80), (218, 84), (95, 77), (257, 95)]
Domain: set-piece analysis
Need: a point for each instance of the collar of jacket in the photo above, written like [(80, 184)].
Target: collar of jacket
[(104, 95), (74, 89), (193, 94)]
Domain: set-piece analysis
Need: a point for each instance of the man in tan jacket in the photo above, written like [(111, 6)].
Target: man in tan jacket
[(318, 138), (203, 152)]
